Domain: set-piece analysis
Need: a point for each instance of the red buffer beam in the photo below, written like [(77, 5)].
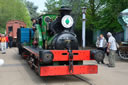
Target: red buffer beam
[(64, 70), (78, 55)]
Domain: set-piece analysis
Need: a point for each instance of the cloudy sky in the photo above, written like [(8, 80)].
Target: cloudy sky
[(39, 3)]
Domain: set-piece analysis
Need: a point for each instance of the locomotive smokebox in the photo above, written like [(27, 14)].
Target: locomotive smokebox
[(65, 10)]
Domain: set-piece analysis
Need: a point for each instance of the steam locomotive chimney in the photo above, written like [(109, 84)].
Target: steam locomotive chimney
[(65, 11)]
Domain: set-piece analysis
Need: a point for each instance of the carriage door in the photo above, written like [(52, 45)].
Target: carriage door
[(10, 29), (15, 27)]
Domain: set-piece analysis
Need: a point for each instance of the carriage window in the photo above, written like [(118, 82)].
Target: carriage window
[(10, 29)]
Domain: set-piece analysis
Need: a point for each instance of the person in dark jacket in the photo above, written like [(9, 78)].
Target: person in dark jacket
[(34, 24), (10, 41)]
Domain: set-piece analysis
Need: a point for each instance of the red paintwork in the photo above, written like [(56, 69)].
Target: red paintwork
[(82, 55), (15, 24), (64, 70)]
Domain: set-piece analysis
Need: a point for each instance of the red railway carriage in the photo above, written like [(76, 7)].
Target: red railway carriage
[(12, 26)]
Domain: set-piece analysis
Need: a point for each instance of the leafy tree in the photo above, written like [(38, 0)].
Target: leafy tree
[(110, 13), (13, 10), (32, 9), (52, 6)]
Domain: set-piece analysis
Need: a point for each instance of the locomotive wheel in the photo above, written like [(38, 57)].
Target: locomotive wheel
[(123, 54), (31, 66), (37, 68), (30, 62)]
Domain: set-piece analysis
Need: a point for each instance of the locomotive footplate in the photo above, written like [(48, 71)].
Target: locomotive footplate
[(32, 50)]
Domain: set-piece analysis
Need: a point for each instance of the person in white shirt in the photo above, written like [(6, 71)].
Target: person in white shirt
[(111, 49), (101, 44)]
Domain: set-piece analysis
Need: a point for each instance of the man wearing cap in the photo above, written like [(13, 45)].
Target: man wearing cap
[(111, 49)]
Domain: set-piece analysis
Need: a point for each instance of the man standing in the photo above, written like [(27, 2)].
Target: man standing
[(111, 49), (10, 41), (34, 24), (101, 44)]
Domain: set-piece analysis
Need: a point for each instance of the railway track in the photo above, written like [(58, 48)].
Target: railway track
[(83, 79)]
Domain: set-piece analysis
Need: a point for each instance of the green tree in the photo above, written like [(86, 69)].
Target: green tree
[(13, 10), (110, 13), (32, 9), (52, 6)]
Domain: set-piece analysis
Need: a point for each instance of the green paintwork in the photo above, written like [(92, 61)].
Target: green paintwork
[(67, 21), (50, 40), (41, 32), (52, 16), (45, 25), (40, 39)]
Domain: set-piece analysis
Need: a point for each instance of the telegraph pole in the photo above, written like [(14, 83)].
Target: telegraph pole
[(84, 27)]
